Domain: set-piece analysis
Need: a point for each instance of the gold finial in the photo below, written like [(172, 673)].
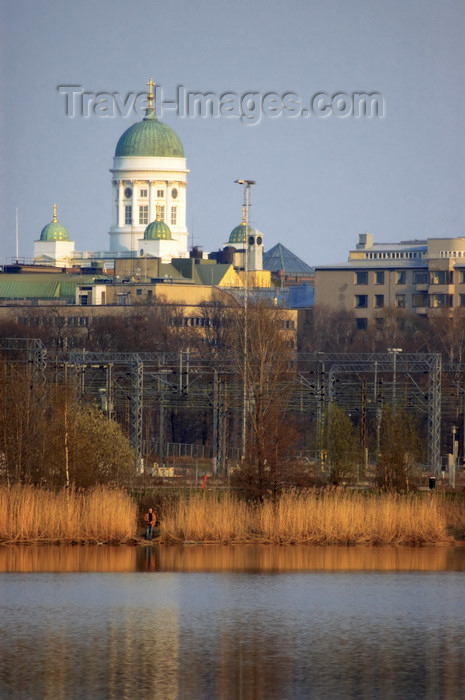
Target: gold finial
[(150, 95), (243, 216), (55, 220), (158, 213)]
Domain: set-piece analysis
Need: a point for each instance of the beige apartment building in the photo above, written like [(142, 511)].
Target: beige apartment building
[(420, 275)]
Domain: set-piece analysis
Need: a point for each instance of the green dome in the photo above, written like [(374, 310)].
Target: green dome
[(54, 231), (157, 231), (240, 233), (150, 138)]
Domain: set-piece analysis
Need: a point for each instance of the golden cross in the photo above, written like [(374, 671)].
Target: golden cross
[(55, 214), (150, 95)]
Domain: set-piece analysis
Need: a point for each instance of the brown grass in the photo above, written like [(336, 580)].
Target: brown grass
[(451, 506), (319, 518), (28, 514), (314, 517)]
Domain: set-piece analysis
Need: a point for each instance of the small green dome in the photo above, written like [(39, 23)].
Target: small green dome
[(157, 231), (54, 231), (240, 233), (150, 138)]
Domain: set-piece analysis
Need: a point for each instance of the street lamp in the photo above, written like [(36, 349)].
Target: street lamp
[(247, 184), (394, 352), (453, 461)]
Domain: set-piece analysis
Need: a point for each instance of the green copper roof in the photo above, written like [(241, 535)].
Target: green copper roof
[(157, 231), (150, 138), (54, 231), (41, 286), (240, 233)]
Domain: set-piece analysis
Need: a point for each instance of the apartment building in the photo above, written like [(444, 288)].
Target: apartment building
[(421, 276)]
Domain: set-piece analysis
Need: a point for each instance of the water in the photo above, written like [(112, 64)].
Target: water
[(232, 622)]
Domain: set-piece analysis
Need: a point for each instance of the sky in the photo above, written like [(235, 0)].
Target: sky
[(320, 180)]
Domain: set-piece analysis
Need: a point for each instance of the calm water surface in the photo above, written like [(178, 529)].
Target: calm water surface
[(232, 622)]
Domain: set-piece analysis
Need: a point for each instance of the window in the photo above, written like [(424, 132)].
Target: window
[(379, 321), (144, 214), (440, 301), (128, 214), (143, 193), (361, 324), (462, 300), (379, 277), (173, 216), (286, 324), (419, 300), (379, 301), (162, 213), (361, 278), (160, 193), (441, 277), (400, 301), (361, 301), (401, 277), (462, 276), (139, 292), (420, 278)]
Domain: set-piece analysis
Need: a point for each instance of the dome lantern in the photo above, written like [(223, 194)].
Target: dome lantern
[(54, 231), (157, 230), (149, 138), (240, 233)]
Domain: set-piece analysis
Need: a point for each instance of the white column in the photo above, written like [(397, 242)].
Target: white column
[(133, 204), (182, 206), (151, 209), (114, 211), (120, 204)]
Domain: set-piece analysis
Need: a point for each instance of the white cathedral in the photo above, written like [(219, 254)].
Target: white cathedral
[(149, 178)]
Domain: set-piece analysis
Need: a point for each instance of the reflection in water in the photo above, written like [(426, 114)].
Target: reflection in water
[(217, 622), (247, 558), (231, 635)]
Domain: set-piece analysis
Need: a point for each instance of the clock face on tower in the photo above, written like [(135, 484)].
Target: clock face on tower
[(128, 193), (174, 193)]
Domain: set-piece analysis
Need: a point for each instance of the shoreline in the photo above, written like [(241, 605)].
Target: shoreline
[(322, 518), (141, 542)]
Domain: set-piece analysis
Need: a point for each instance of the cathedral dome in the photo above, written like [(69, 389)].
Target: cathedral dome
[(157, 231), (150, 138), (54, 231)]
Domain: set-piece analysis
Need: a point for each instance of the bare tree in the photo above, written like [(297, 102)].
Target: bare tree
[(265, 364)]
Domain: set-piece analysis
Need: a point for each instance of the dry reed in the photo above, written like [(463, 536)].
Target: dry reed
[(319, 518), (28, 514)]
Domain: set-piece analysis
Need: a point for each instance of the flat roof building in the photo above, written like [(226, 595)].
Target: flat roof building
[(421, 276)]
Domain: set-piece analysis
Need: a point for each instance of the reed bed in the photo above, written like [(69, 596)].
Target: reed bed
[(29, 514), (319, 518), (328, 517)]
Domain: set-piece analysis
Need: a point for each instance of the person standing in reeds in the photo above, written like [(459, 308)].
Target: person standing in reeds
[(150, 519)]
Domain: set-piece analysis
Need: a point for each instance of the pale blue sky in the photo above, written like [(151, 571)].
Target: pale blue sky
[(320, 182)]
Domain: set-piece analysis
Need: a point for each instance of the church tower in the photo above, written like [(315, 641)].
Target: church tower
[(149, 174)]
